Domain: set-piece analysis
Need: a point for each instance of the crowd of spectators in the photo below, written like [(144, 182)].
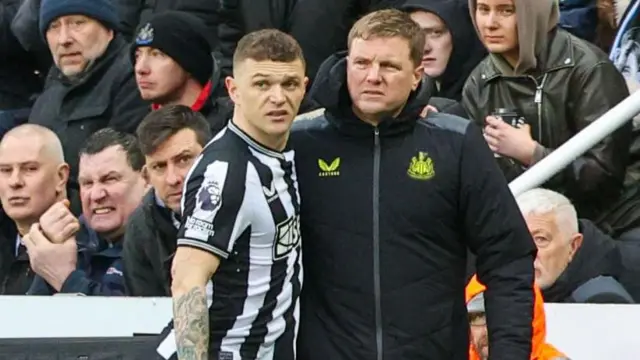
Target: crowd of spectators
[(105, 105)]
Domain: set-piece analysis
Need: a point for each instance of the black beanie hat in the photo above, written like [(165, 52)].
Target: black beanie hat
[(182, 37)]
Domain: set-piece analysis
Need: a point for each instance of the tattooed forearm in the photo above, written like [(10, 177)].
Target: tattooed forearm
[(191, 323)]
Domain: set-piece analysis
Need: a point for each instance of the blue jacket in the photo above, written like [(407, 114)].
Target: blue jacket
[(99, 269)]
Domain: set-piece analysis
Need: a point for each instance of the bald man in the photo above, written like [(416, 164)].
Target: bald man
[(33, 178)]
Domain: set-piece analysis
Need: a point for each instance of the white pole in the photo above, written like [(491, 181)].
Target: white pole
[(577, 145)]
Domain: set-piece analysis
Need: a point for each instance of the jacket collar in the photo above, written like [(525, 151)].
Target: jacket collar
[(559, 55), (330, 92)]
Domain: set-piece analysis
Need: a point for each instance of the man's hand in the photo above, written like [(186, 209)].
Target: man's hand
[(58, 223), (427, 109), (53, 262), (509, 141)]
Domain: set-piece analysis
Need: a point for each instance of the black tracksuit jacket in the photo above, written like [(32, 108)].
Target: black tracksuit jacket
[(387, 215)]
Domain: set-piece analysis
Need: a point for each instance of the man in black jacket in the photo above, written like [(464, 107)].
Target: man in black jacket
[(576, 262), (174, 65), (170, 139), (391, 202)]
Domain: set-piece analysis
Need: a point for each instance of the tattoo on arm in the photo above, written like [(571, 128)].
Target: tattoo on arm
[(191, 323)]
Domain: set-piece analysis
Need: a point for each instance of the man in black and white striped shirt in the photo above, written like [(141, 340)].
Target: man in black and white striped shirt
[(240, 218)]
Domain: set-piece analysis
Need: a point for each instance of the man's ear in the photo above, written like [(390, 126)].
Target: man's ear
[(417, 76), (62, 177), (575, 243), (145, 173), (232, 89)]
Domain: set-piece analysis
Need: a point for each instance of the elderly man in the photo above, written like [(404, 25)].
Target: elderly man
[(576, 262), (170, 139), (88, 261), (33, 177), (91, 85)]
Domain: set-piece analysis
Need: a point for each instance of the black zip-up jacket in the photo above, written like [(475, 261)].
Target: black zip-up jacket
[(149, 246), (387, 215)]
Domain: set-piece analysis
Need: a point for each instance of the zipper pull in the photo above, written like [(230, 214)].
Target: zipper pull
[(538, 97), (376, 131)]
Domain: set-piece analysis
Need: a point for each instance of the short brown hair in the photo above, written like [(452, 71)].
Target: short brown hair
[(159, 125), (268, 45), (390, 23)]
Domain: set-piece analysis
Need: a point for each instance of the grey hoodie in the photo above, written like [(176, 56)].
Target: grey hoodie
[(536, 18)]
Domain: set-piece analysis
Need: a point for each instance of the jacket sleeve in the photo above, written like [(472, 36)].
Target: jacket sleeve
[(497, 234), (79, 283), (470, 100), (128, 107), (598, 175), (139, 277)]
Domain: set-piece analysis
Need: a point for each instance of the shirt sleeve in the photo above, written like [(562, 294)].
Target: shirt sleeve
[(214, 212)]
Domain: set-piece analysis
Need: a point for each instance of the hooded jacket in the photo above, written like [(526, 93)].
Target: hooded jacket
[(561, 84), (467, 50), (387, 217), (599, 255), (540, 349)]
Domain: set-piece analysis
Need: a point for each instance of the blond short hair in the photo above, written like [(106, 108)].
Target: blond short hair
[(390, 23)]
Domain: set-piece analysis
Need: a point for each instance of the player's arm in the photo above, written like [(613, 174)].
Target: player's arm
[(213, 218), (192, 269)]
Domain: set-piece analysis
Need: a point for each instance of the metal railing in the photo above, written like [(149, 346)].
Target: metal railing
[(559, 159)]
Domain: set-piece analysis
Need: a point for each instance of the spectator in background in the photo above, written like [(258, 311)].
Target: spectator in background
[(452, 48), (556, 84), (576, 262), (174, 65), (20, 81), (170, 139), (33, 177), (111, 187), (406, 197), (91, 85), (479, 340)]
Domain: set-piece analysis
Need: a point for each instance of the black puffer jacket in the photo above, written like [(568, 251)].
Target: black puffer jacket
[(387, 226)]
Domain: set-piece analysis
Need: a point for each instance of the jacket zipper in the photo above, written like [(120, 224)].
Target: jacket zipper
[(376, 242), (538, 100)]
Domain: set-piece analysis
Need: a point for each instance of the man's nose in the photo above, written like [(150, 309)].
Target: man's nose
[(64, 35), (373, 74), (173, 177), (16, 179), (277, 95), (141, 67), (97, 193)]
